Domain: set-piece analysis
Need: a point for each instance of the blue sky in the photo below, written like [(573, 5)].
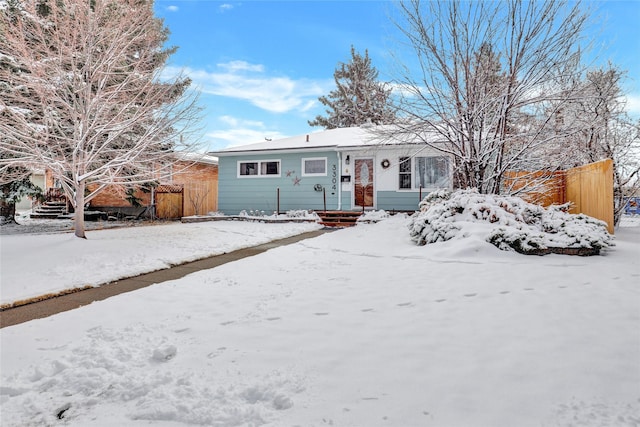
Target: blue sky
[(261, 65)]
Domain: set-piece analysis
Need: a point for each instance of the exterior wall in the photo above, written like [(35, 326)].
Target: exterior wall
[(26, 202), (113, 196), (236, 193), (388, 194)]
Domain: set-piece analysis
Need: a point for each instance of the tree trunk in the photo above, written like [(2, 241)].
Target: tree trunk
[(79, 210)]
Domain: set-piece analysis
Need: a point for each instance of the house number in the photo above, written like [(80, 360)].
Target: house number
[(334, 177)]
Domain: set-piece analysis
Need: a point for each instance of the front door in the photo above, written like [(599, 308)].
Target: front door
[(363, 185)]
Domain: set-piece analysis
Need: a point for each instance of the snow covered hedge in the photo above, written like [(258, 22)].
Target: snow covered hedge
[(509, 223)]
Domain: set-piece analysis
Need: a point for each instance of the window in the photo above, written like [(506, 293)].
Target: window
[(249, 168), (314, 167), (431, 172), (405, 173), (259, 168)]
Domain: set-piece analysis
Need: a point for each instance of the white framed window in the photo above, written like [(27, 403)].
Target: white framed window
[(423, 172), (431, 172), (404, 173), (314, 166), (258, 168)]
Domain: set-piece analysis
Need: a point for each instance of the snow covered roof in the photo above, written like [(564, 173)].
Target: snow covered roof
[(337, 139), (197, 158)]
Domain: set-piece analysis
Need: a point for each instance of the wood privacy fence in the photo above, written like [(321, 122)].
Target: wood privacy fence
[(169, 201), (589, 188), (200, 198)]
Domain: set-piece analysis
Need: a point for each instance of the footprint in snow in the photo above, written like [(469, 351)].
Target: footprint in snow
[(229, 322), (470, 295), (273, 318), (321, 314), (365, 310), (441, 300), (404, 304)]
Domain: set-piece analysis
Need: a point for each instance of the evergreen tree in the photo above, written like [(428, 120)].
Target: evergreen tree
[(13, 192), (359, 97)]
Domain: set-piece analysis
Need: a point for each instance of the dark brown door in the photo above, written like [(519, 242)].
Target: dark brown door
[(363, 185)]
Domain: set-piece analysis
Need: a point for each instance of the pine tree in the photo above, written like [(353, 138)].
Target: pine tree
[(359, 97)]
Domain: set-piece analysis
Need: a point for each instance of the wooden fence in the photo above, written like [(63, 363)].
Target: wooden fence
[(589, 188), (200, 198), (169, 201)]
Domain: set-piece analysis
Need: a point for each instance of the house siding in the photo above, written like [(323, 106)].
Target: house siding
[(399, 201), (236, 194)]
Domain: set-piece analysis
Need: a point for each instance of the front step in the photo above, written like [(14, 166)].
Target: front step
[(49, 210), (339, 218)]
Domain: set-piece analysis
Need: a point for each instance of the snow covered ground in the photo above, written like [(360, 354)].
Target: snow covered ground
[(34, 264), (359, 327)]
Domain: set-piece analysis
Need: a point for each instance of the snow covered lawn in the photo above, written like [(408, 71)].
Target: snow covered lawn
[(36, 264), (359, 327)]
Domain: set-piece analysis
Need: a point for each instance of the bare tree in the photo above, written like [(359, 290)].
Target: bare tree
[(485, 78), (606, 131), (85, 98)]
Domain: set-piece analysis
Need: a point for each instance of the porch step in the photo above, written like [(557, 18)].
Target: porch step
[(49, 210), (339, 218)]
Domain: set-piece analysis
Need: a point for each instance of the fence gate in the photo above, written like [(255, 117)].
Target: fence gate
[(169, 201)]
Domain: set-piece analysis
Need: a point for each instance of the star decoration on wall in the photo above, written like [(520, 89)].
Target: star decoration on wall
[(289, 173), (296, 181)]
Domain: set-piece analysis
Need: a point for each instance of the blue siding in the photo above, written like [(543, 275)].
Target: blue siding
[(399, 200), (260, 193)]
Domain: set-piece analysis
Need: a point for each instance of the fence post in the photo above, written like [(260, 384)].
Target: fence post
[(324, 198)]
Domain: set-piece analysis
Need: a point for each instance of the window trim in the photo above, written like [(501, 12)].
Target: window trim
[(302, 167), (259, 163), (414, 169), (402, 160)]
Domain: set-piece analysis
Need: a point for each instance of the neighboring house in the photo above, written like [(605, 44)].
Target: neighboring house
[(192, 189), (337, 169), (36, 177)]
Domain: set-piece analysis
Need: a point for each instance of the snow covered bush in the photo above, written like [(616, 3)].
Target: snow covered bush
[(373, 216), (301, 213), (508, 223)]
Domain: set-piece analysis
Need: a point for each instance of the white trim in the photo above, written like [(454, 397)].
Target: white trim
[(302, 167), (259, 168)]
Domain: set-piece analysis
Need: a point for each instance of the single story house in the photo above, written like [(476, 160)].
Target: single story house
[(337, 169)]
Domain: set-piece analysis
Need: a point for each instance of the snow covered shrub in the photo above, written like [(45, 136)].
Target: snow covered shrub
[(373, 216), (434, 197), (300, 213), (508, 223)]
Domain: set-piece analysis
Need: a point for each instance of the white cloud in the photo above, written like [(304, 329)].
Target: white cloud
[(233, 66), (245, 81), (172, 8), (633, 104), (234, 121), (225, 7), (239, 135)]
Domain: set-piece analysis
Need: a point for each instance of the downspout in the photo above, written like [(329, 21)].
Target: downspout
[(339, 178)]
